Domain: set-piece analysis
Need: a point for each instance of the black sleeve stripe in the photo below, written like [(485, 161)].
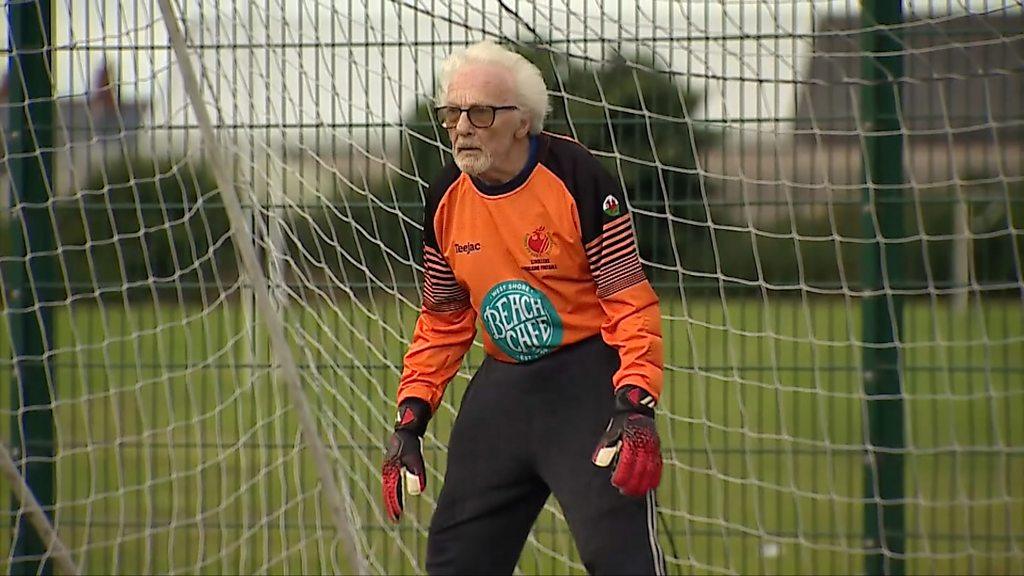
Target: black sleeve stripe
[(613, 247), (439, 287), (441, 291), (432, 258), (614, 261), (620, 225), (619, 232), (434, 265), (612, 244), (611, 231), (612, 258), (436, 282), (612, 274), (627, 264), (446, 306), (619, 285), (447, 297), (448, 300), (608, 275), (611, 283), (432, 254), (439, 274), (617, 224)]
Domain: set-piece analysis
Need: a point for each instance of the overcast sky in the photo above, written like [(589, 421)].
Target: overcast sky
[(358, 61)]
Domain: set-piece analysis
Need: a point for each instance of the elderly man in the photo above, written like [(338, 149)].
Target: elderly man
[(528, 235)]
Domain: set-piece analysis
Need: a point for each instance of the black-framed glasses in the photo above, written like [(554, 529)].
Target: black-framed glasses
[(479, 116)]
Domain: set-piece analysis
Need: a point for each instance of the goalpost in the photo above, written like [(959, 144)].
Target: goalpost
[(211, 267)]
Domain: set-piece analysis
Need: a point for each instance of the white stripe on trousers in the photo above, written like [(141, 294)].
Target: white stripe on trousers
[(652, 534)]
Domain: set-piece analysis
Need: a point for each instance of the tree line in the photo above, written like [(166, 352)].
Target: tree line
[(145, 226)]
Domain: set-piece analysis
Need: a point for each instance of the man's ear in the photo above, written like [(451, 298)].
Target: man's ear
[(523, 130)]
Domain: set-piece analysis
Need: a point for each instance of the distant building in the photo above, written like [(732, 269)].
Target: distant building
[(962, 111), (90, 129)]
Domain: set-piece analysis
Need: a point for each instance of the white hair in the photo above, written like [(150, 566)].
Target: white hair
[(532, 94)]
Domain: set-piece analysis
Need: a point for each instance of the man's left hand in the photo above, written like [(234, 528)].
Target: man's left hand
[(403, 459), (631, 443)]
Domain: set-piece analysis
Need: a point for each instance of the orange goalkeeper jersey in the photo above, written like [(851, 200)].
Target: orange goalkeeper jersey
[(540, 262)]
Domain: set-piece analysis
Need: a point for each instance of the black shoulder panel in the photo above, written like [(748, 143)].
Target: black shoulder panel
[(598, 195), (435, 193)]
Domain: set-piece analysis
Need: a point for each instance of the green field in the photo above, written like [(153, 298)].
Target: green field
[(177, 451)]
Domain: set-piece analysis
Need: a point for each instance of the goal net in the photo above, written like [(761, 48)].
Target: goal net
[(841, 274)]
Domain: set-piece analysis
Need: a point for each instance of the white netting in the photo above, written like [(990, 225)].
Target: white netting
[(739, 130)]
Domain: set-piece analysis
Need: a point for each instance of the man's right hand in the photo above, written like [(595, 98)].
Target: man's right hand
[(403, 460)]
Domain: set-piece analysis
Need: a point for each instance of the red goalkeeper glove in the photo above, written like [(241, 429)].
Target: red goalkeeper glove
[(403, 460), (631, 443)]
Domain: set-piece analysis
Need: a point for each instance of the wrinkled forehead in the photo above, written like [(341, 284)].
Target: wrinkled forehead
[(485, 84)]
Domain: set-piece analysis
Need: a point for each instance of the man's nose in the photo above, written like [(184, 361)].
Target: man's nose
[(464, 126)]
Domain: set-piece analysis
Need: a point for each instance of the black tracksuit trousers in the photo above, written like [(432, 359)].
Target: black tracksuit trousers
[(525, 431)]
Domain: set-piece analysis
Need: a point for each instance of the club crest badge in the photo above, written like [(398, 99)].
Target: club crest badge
[(539, 242), (610, 205)]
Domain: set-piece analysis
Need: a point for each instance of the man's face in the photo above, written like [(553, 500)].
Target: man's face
[(482, 151)]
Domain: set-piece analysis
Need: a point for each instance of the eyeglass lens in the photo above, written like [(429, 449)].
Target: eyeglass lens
[(479, 116)]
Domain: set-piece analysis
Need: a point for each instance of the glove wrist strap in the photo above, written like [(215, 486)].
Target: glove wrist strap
[(413, 415), (631, 398)]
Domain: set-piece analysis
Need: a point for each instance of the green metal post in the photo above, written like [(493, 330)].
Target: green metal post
[(883, 265), (30, 279)]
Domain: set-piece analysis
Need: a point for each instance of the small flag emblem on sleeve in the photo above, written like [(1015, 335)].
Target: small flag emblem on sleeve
[(610, 205)]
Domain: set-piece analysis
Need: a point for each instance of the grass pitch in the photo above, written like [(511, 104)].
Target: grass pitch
[(177, 451)]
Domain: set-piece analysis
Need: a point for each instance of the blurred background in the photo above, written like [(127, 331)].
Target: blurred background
[(827, 195)]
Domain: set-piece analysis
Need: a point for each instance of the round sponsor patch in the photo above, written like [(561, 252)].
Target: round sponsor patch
[(521, 320)]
